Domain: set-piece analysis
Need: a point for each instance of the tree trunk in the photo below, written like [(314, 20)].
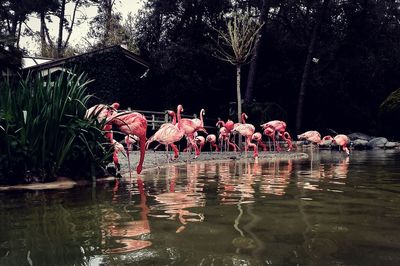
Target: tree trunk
[(253, 65), (19, 33), (42, 35), (238, 94), (108, 6), (307, 66), (60, 29)]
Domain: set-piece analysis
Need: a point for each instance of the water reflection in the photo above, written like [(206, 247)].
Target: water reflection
[(323, 168), (276, 177), (332, 209), (120, 231), (176, 200)]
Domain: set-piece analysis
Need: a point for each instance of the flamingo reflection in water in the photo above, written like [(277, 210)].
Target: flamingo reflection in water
[(276, 177), (233, 189), (175, 202), (120, 230), (237, 188), (333, 173)]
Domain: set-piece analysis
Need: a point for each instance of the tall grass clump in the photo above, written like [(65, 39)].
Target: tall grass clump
[(43, 132)]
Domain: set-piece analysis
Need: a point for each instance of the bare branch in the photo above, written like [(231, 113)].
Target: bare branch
[(72, 23)]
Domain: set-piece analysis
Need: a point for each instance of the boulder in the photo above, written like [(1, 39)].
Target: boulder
[(377, 142), (360, 144), (358, 135), (325, 143), (391, 145)]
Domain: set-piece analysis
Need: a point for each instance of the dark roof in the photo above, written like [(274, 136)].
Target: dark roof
[(61, 61)]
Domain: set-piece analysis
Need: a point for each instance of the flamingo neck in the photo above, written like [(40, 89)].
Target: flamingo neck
[(201, 117), (243, 118), (220, 123), (178, 113), (173, 115)]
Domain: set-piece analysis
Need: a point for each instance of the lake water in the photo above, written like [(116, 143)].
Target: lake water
[(325, 210)]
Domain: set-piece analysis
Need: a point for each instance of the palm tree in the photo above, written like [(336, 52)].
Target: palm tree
[(235, 45)]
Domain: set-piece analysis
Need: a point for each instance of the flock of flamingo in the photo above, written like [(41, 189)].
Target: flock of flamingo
[(134, 126)]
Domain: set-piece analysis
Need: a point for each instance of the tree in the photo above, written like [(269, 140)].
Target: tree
[(105, 27), (13, 14), (257, 50), (57, 47), (307, 65), (236, 44), (174, 37)]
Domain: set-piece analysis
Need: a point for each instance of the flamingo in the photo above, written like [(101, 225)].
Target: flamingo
[(258, 138), (169, 133), (200, 140), (229, 125), (101, 112), (246, 130), (212, 139), (341, 140), (117, 148), (224, 136), (190, 126), (132, 123), (225, 131), (311, 136), (277, 128), (129, 140)]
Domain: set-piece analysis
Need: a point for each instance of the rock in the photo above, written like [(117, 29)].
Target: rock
[(360, 144), (391, 145), (326, 143), (377, 142), (298, 143), (358, 135)]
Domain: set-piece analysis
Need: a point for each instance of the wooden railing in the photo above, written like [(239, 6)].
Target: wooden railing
[(155, 119)]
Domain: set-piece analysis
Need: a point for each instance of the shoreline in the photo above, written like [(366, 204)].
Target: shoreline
[(159, 159), (156, 160)]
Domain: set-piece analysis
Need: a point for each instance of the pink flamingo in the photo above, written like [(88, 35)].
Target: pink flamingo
[(225, 131), (311, 136), (201, 141), (132, 123), (277, 128), (229, 125), (190, 126), (129, 140), (169, 133), (224, 137), (341, 140), (246, 130), (117, 148), (212, 139), (257, 137), (102, 112)]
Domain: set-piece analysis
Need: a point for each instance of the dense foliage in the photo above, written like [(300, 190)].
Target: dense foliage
[(355, 66), (334, 60), (43, 132)]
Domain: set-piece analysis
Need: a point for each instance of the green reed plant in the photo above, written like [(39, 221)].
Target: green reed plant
[(43, 130)]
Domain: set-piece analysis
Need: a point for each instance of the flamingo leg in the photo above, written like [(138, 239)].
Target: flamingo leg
[(194, 145), (263, 146), (129, 163), (175, 149), (254, 146), (142, 144)]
